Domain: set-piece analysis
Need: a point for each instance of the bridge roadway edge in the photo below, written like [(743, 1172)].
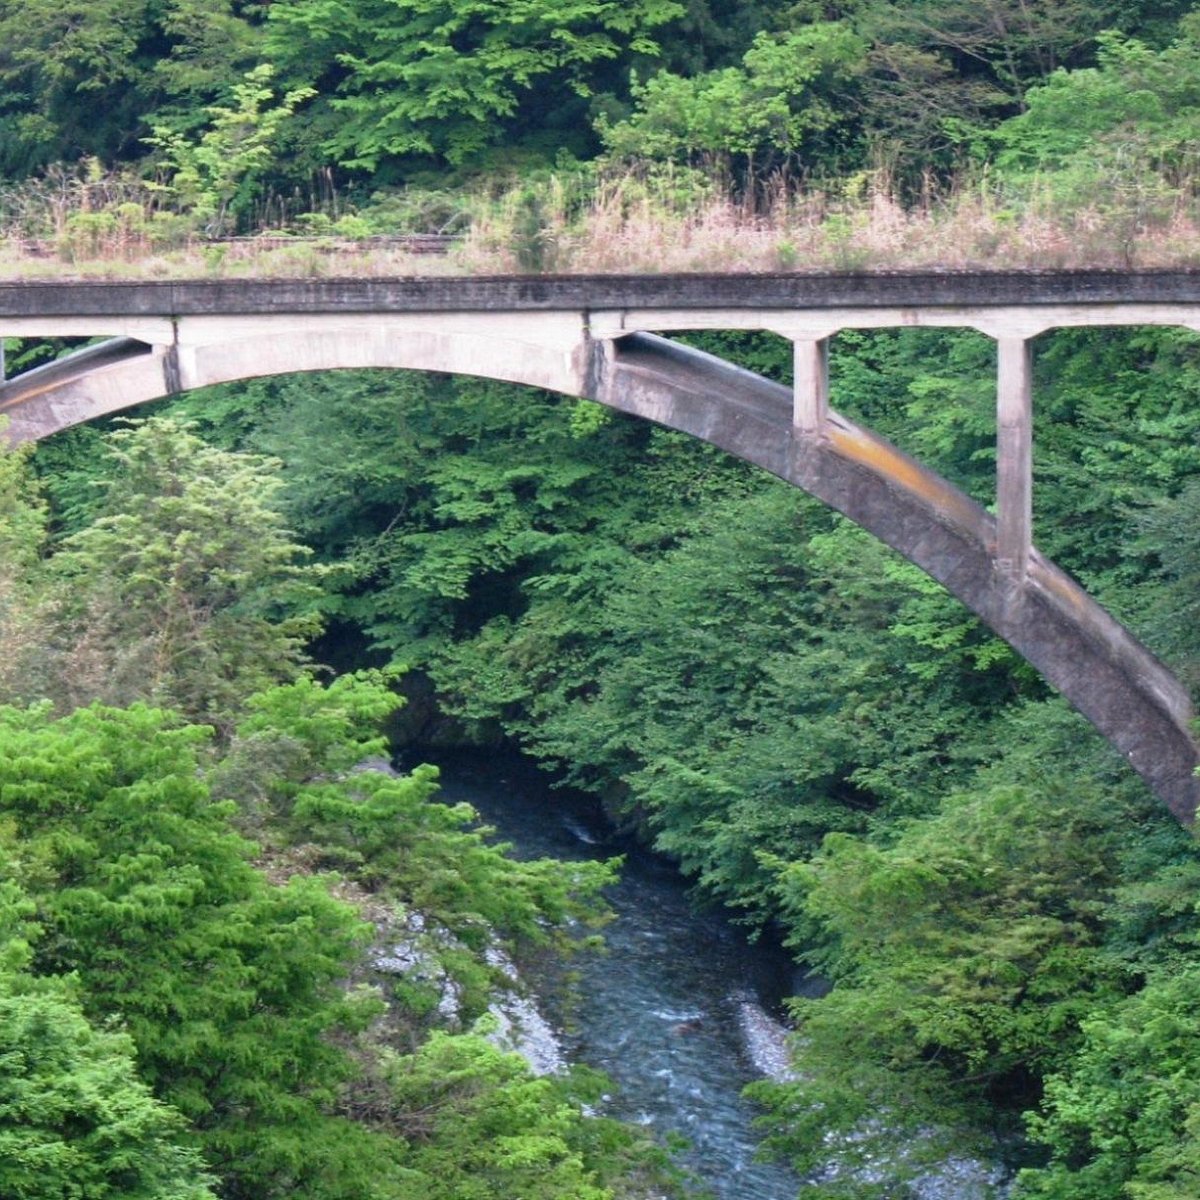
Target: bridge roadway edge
[(816, 290)]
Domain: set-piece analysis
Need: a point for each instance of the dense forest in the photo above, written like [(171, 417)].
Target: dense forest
[(213, 613)]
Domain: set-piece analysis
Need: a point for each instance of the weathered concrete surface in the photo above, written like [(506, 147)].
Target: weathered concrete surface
[(1014, 455), (1131, 698), (500, 293), (547, 350), (92, 382)]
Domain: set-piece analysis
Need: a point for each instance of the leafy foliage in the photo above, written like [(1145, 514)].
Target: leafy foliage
[(446, 78), (81, 79), (74, 1116), (186, 589), (229, 987), (480, 1126), (940, 71), (732, 686), (778, 108), (1123, 1119), (214, 174), (232, 988), (388, 833), (1137, 102), (22, 536)]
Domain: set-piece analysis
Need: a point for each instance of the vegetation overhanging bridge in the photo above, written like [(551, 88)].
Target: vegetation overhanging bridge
[(597, 337)]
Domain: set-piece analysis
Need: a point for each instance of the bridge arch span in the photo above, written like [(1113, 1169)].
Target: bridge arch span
[(124, 372), (1131, 698)]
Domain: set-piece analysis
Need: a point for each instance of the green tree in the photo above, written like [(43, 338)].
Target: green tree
[(479, 1125), (433, 497), (705, 648), (969, 951), (1122, 1120), (1167, 533), (231, 988), (74, 1117), (446, 79), (1118, 137), (294, 756), (1119, 440), (785, 105), (941, 71), (214, 173), (753, 687), (212, 44), (57, 59), (22, 538), (1007, 42), (186, 589), (83, 79), (715, 33), (1137, 101)]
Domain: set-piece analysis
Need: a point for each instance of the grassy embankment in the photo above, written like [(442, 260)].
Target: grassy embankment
[(118, 227)]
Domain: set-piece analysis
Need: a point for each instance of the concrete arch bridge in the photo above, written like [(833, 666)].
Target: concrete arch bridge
[(597, 337)]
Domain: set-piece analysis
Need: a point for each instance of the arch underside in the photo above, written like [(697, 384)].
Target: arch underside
[(1101, 669)]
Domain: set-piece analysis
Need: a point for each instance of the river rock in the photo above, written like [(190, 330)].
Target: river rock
[(765, 1040)]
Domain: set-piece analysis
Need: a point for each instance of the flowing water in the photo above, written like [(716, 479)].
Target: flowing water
[(679, 1009)]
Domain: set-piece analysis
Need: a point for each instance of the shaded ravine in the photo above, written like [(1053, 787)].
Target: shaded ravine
[(664, 1011)]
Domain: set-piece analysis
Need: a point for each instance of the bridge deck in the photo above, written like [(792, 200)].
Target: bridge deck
[(547, 292)]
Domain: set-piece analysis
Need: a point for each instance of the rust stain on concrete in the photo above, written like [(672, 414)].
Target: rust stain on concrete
[(900, 470)]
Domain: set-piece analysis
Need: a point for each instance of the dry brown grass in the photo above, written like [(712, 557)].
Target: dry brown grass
[(267, 257), (630, 228), (668, 225)]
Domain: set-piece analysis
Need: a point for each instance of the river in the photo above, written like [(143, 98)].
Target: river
[(679, 1002), (679, 1011)]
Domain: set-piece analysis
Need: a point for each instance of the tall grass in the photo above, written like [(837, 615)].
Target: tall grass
[(87, 222), (663, 224)]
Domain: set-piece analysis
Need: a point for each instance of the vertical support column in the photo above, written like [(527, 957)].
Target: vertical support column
[(3, 367), (1014, 455), (810, 398)]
